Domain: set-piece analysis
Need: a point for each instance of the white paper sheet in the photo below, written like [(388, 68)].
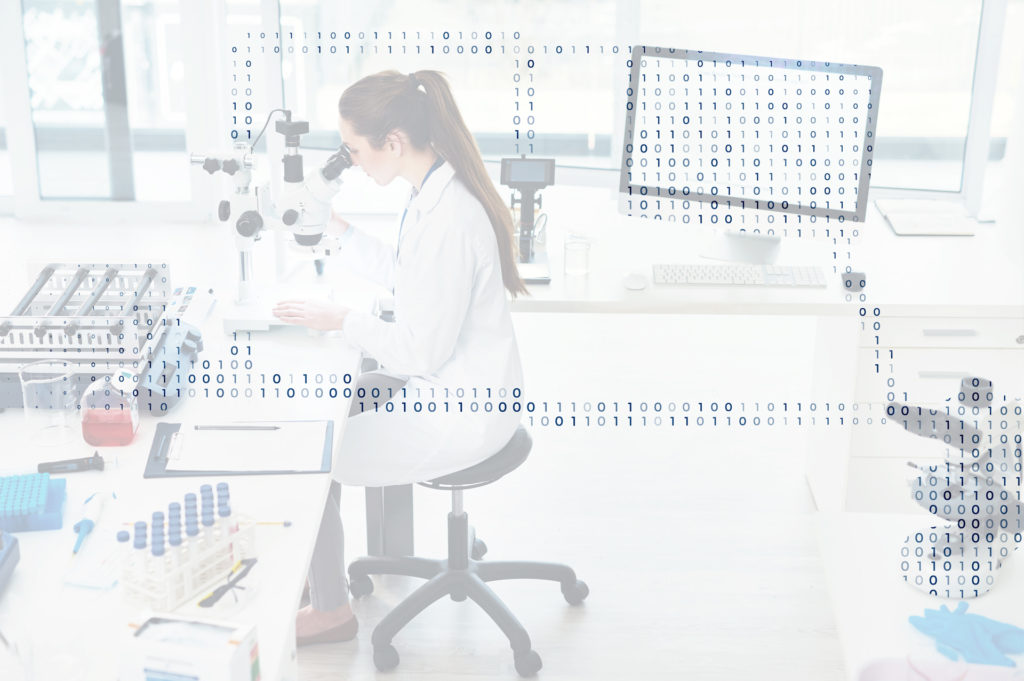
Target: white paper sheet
[(292, 446)]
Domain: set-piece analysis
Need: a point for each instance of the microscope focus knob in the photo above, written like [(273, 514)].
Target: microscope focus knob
[(249, 223), (230, 166), (211, 165), (224, 210), (290, 217)]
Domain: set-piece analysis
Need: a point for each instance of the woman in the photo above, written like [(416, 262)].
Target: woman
[(451, 343)]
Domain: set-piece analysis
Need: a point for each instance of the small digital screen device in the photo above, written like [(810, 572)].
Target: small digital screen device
[(740, 131), (533, 172)]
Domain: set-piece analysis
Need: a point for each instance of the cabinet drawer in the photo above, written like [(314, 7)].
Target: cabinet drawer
[(933, 375), (943, 332)]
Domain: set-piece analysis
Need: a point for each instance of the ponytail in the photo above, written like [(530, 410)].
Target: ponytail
[(421, 104)]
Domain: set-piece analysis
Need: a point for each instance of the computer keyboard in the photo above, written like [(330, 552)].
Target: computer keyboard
[(31, 502), (731, 274)]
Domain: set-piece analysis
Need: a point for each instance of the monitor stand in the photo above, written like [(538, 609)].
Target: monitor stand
[(742, 247), (923, 217)]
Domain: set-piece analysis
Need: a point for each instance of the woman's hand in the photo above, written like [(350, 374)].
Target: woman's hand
[(315, 314), (336, 226)]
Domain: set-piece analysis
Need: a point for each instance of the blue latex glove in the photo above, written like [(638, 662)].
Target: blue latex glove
[(977, 639)]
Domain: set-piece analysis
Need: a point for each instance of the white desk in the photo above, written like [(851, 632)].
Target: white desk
[(67, 625), (951, 272)]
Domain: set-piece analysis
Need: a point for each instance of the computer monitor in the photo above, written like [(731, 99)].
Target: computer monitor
[(748, 132)]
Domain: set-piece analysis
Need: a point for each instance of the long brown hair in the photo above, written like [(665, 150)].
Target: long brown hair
[(421, 105)]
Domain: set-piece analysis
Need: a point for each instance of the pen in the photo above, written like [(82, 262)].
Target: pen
[(238, 427)]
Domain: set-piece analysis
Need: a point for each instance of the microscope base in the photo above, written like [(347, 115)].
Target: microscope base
[(537, 271), (257, 313)]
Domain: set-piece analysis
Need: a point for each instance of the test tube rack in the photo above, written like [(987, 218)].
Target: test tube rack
[(88, 309), (31, 502), (191, 570), (102, 318)]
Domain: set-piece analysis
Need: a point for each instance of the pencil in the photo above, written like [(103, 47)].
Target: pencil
[(238, 427)]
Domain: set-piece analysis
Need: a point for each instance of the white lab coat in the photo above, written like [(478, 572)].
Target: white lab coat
[(452, 337)]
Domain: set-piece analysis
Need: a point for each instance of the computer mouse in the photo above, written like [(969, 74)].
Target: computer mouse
[(634, 281)]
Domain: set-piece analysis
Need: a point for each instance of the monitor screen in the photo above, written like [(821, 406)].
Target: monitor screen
[(749, 132)]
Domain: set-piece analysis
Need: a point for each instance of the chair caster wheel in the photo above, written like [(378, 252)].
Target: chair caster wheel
[(479, 549), (576, 592), (528, 663), (360, 586), (385, 657)]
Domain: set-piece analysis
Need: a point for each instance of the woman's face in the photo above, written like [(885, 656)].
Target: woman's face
[(380, 164)]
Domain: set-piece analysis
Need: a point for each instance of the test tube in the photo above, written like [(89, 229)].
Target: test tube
[(207, 539), (206, 496), (223, 510), (191, 525), (140, 534), (124, 552), (158, 566), (174, 535), (139, 557)]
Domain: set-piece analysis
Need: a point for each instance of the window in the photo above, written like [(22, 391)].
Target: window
[(108, 115), (6, 178), (926, 49)]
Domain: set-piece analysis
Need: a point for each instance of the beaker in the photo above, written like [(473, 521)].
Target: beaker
[(110, 410), (577, 255), (48, 393)]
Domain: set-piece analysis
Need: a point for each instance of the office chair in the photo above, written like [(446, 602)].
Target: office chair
[(464, 573)]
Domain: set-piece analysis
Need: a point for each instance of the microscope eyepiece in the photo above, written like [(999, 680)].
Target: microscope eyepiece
[(339, 161)]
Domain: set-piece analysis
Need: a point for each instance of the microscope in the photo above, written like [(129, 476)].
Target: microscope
[(528, 176), (302, 209)]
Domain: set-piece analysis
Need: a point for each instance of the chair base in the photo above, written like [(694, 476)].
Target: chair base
[(460, 577)]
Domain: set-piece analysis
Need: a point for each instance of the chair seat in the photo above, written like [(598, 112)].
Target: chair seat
[(508, 458)]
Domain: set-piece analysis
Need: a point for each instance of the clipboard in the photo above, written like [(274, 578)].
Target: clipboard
[(156, 464)]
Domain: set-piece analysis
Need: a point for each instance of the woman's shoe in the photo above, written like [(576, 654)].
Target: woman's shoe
[(346, 631), (310, 625)]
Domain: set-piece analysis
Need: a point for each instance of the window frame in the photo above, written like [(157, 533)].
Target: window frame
[(203, 22)]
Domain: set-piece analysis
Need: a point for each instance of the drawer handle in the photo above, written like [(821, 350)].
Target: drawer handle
[(942, 374), (950, 332)]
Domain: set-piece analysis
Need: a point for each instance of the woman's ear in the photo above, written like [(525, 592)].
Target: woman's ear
[(394, 143)]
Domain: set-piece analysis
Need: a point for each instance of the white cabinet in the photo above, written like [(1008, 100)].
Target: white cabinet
[(919, 360)]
